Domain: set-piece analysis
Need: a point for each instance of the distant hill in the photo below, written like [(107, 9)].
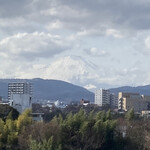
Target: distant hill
[(51, 89), (145, 90)]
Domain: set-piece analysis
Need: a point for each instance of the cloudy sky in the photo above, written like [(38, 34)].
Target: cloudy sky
[(91, 43)]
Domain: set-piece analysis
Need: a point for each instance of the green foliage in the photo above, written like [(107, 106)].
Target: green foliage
[(49, 116), (24, 119), (101, 116), (108, 115), (9, 116), (6, 110), (9, 129), (91, 115), (80, 131), (130, 114), (75, 131), (44, 145), (8, 134)]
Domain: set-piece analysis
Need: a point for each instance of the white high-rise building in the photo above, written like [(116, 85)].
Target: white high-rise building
[(20, 95), (19, 88), (102, 97)]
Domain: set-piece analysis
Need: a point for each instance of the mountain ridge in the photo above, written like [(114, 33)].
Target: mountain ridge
[(51, 90), (143, 90)]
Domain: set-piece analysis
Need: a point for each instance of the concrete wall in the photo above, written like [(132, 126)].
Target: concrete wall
[(21, 101)]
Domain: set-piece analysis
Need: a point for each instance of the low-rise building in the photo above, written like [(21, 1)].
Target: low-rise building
[(37, 116), (84, 102), (136, 101), (146, 113)]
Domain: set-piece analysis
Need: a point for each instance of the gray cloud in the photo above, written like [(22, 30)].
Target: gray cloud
[(28, 32), (124, 14), (77, 15), (12, 9)]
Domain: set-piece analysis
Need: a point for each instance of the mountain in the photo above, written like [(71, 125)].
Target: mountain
[(143, 90), (51, 90)]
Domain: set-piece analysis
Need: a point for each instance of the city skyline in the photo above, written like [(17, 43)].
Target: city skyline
[(88, 43)]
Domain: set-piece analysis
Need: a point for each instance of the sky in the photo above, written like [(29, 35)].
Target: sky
[(90, 43)]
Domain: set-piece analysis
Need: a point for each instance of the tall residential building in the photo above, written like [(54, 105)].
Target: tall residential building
[(20, 95), (136, 101), (113, 100), (19, 88), (102, 97)]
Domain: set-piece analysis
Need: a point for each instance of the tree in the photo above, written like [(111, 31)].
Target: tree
[(6, 110), (108, 115), (24, 120), (130, 114)]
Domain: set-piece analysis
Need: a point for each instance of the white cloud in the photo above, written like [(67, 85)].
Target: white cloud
[(147, 42), (54, 25), (91, 31), (70, 68), (113, 32), (90, 87), (75, 70), (32, 45), (96, 52)]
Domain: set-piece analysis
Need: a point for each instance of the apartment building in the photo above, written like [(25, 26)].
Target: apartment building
[(136, 101), (103, 97), (19, 88), (113, 100), (20, 95)]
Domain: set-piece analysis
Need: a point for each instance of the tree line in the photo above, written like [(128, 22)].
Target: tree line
[(100, 130)]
